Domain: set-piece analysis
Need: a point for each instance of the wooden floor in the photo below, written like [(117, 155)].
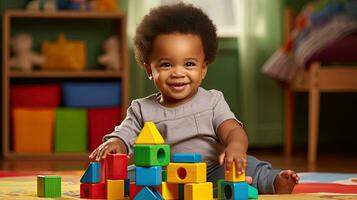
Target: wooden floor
[(326, 162)]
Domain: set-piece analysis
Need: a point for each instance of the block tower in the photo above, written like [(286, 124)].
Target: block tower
[(189, 172), (150, 155)]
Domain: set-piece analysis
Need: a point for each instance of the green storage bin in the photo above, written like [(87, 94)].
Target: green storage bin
[(71, 130)]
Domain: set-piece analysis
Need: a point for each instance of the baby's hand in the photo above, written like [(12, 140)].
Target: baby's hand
[(233, 153), (113, 145)]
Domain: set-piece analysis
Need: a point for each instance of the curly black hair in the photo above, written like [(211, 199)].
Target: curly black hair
[(175, 18)]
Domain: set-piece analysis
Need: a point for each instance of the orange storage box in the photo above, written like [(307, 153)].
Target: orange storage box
[(33, 130)]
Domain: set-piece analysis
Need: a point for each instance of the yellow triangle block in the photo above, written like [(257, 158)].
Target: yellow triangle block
[(149, 135)]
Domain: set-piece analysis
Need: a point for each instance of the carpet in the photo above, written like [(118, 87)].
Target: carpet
[(23, 185)]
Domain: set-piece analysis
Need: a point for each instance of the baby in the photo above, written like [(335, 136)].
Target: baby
[(175, 44)]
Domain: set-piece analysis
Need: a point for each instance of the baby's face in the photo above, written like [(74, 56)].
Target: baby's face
[(177, 66)]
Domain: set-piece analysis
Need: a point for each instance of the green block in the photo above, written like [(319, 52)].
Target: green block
[(252, 192), (164, 175), (219, 188), (49, 186), (71, 130), (151, 155)]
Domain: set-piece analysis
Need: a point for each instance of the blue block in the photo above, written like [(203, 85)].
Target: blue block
[(148, 176), (234, 190), (126, 187), (181, 191), (92, 173), (186, 158), (92, 94), (148, 194)]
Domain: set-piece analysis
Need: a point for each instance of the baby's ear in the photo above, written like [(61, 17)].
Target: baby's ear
[(205, 68), (148, 70)]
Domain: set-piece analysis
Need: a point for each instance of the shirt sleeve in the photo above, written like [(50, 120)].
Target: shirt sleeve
[(221, 111), (129, 129)]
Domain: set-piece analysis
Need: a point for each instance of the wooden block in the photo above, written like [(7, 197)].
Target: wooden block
[(134, 190), (93, 191), (186, 158), (149, 135), (234, 190), (116, 166), (151, 155), (198, 191), (35, 125), (115, 189), (149, 194), (148, 176), (219, 188), (103, 174), (49, 186), (252, 192), (92, 173), (169, 190), (186, 172), (232, 175), (71, 130)]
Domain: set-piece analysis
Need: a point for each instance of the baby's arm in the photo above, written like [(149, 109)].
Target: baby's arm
[(235, 140), (112, 145)]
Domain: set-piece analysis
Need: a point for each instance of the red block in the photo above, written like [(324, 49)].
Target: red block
[(116, 166), (133, 190), (30, 96), (93, 191), (101, 121), (102, 171)]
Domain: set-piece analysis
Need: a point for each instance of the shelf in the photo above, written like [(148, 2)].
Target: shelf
[(48, 156), (66, 74), (65, 14)]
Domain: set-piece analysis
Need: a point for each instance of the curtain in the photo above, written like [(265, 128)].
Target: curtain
[(260, 34)]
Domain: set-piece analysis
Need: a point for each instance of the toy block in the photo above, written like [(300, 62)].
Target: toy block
[(40, 123), (116, 166), (152, 155), (181, 189), (232, 175), (198, 191), (169, 190), (103, 174), (149, 135), (71, 130), (93, 191), (186, 172), (186, 158), (49, 186), (147, 194), (92, 173), (148, 176), (115, 189), (134, 190), (164, 175), (234, 190), (219, 188), (126, 187), (252, 192)]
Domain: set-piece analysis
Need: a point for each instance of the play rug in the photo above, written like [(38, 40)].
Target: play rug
[(24, 187)]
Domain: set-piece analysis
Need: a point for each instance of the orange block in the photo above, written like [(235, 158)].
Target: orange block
[(33, 130)]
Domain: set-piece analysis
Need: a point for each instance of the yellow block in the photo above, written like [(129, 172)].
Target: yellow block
[(169, 190), (115, 189), (149, 135), (232, 176), (186, 172), (198, 191), (64, 54)]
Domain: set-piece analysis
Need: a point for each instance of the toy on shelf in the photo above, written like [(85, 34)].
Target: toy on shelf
[(107, 5), (64, 54), (23, 56), (47, 5), (110, 59)]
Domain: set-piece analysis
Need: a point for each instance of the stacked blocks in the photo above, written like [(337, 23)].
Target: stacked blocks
[(191, 172), (150, 154), (49, 186), (116, 174)]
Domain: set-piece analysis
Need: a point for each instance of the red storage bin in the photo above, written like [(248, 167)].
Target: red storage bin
[(101, 121), (31, 96)]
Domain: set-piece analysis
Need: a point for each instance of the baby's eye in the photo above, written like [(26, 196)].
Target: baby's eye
[(190, 64), (166, 64)]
